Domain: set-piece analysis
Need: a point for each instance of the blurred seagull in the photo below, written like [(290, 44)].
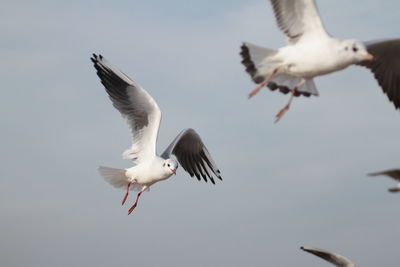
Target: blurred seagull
[(333, 258), (394, 174), (143, 116), (311, 52)]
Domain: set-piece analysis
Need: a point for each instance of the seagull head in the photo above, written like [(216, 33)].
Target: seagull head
[(355, 51), (170, 166)]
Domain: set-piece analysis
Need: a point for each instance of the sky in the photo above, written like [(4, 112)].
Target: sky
[(301, 182)]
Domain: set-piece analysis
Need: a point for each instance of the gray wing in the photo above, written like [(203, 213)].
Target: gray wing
[(395, 174), (333, 258), (135, 105), (386, 67), (297, 18), (193, 155)]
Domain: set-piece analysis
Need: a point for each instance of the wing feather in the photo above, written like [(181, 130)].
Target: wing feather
[(298, 18), (386, 67), (135, 105), (193, 155), (394, 174), (333, 258)]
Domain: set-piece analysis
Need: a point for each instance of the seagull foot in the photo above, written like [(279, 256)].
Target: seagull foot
[(136, 202), (286, 108), (281, 113), (132, 208)]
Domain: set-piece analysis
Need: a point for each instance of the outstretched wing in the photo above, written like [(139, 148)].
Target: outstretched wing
[(386, 67), (333, 258), (193, 155), (298, 18), (395, 174), (135, 105)]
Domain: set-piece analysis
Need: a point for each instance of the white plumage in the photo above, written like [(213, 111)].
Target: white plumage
[(312, 52), (144, 116)]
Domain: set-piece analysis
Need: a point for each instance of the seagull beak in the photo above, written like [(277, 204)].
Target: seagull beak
[(173, 171), (368, 57)]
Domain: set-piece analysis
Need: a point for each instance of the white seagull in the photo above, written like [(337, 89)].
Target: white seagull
[(311, 52), (143, 116), (333, 258), (394, 174)]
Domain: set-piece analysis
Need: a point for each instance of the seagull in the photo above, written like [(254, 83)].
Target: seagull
[(394, 174), (333, 258), (312, 52), (143, 116)]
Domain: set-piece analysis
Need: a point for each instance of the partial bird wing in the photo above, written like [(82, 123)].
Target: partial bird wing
[(333, 258), (298, 18), (193, 155), (136, 106), (386, 67), (395, 174)]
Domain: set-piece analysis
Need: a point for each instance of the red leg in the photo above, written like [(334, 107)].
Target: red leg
[(134, 205), (286, 108), (127, 193), (265, 82)]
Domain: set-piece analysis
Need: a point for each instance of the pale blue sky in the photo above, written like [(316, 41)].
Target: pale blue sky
[(299, 182)]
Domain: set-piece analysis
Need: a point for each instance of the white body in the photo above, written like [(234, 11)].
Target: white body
[(147, 173), (310, 59), (310, 52)]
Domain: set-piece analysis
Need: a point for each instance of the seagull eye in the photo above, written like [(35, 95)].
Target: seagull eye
[(355, 49), (168, 165)]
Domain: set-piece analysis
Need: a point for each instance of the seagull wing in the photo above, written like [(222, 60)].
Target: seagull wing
[(298, 18), (386, 67), (135, 105), (333, 258), (193, 155), (395, 174)]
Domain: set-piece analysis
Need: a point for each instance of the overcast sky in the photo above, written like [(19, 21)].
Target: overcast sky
[(299, 182)]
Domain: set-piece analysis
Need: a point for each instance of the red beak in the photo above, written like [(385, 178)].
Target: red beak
[(173, 171)]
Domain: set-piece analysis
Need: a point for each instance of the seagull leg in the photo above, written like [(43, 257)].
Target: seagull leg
[(286, 107), (265, 82), (127, 193), (134, 205), (137, 199)]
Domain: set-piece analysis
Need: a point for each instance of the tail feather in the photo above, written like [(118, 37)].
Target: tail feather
[(115, 177), (259, 61), (118, 178)]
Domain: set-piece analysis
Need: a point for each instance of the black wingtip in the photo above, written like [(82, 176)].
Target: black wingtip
[(212, 180), (95, 58)]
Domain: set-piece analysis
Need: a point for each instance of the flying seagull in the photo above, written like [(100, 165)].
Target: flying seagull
[(333, 258), (394, 174), (312, 52), (143, 116)]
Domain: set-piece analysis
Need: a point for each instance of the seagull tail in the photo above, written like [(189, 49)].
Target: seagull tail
[(115, 177), (259, 61)]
